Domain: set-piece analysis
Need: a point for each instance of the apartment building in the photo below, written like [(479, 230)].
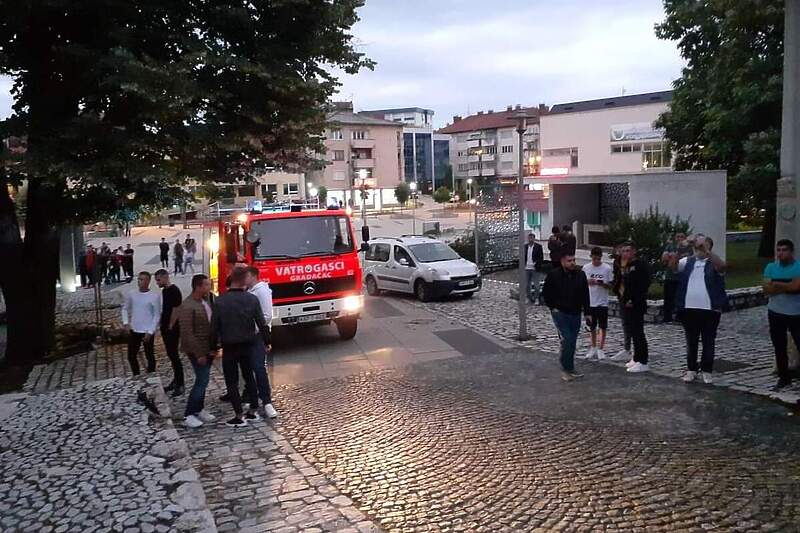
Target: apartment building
[(360, 149)]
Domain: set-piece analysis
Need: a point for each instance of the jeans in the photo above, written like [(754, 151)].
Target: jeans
[(697, 324), (171, 338), (779, 324), (134, 343), (197, 395), (534, 284), (670, 290), (568, 327), (258, 362), (634, 320), (178, 264), (235, 357)]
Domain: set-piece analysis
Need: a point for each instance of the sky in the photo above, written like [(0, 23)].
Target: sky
[(462, 56)]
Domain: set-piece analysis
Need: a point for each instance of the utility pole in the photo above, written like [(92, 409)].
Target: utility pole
[(477, 190), (522, 118)]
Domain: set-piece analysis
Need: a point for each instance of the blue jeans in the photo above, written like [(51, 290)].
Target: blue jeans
[(534, 284), (197, 395), (568, 326), (258, 362)]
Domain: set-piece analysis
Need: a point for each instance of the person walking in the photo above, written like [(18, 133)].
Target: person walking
[(700, 301), (194, 317), (188, 261), (782, 285), (566, 293), (82, 270), (568, 241), (260, 289), (554, 246), (114, 265), (600, 278), (534, 256), (673, 253), (177, 252), (102, 260), (189, 244), (140, 316), (631, 289), (91, 264), (237, 324), (170, 332), (127, 263), (163, 249)]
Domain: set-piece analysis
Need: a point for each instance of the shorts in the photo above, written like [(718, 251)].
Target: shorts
[(599, 318)]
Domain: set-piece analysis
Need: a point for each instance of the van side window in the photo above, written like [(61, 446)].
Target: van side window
[(400, 253), (378, 252)]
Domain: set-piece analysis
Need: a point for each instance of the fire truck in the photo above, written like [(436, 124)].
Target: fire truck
[(309, 258)]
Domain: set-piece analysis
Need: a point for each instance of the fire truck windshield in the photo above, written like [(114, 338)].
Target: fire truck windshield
[(301, 237)]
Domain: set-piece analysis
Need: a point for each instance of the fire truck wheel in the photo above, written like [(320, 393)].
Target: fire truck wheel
[(347, 328), (372, 286), (422, 291)]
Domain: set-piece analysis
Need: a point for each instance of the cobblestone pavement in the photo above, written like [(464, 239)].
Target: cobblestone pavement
[(744, 356), (97, 462), (499, 443)]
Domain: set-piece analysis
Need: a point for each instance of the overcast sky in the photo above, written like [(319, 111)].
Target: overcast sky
[(460, 56)]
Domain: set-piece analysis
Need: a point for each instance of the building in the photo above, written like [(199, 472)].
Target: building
[(271, 185), (426, 155), (360, 148)]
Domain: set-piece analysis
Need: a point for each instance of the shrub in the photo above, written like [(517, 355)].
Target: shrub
[(441, 195), (402, 192), (322, 194)]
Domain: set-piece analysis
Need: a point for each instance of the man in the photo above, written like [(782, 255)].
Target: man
[(91, 264), (568, 241), (127, 262), (188, 261), (534, 255), (261, 290), (189, 244), (170, 300), (177, 251), (600, 277), (782, 284), (140, 315), (566, 293), (102, 260), (236, 317), (554, 246), (194, 322), (673, 254), (631, 288), (625, 353), (82, 270), (163, 248), (700, 301)]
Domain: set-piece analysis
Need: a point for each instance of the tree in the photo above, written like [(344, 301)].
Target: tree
[(441, 195), (322, 194), (726, 107), (402, 192), (118, 102)]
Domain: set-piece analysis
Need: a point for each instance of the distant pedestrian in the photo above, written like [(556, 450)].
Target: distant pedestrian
[(534, 257), (260, 289), (127, 263), (631, 288), (600, 278), (170, 300), (91, 266), (782, 284), (163, 249), (554, 246), (189, 244), (237, 325), (177, 253), (194, 321), (625, 353), (141, 313), (699, 302), (188, 261), (114, 266), (568, 241), (566, 293), (674, 252), (83, 272), (103, 255)]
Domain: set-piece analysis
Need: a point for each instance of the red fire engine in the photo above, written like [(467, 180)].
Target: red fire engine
[(308, 257)]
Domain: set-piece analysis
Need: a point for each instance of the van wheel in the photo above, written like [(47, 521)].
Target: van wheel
[(372, 286), (347, 328), (422, 291)]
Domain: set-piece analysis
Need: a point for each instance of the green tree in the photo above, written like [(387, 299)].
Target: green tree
[(322, 194), (402, 192), (726, 107), (441, 195), (118, 102)]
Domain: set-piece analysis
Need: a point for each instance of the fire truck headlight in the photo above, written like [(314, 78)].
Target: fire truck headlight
[(213, 243), (348, 210), (352, 303)]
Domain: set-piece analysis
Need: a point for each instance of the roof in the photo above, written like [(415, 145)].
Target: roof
[(348, 117), (399, 110), (406, 239), (490, 121), (614, 102)]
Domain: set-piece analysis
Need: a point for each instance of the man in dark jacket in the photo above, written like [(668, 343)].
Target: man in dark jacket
[(534, 256), (568, 241), (566, 293), (554, 245), (163, 249), (631, 286), (237, 323)]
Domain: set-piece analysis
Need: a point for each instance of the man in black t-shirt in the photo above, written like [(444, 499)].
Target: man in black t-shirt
[(163, 248), (171, 299), (127, 262)]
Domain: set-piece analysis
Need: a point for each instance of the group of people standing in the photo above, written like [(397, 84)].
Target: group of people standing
[(238, 322), (182, 254), (104, 265)]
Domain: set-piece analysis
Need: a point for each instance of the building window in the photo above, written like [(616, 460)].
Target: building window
[(338, 175), (359, 135), (268, 189), (338, 155), (245, 190), (534, 219), (490, 150), (656, 155), (508, 149), (290, 189), (463, 167), (337, 135)]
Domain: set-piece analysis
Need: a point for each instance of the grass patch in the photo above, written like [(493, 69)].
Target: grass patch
[(745, 268)]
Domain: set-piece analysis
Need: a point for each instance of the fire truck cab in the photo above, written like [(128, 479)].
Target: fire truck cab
[(308, 257)]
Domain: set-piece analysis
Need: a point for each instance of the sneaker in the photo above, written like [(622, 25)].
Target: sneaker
[(178, 392), (251, 416), (630, 363), (782, 383), (270, 411), (591, 353), (638, 367), (192, 421), (600, 353), (708, 379), (570, 376), (205, 416), (689, 376), (622, 355), (225, 397), (236, 422)]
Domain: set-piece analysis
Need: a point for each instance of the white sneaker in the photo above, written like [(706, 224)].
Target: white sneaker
[(708, 379), (192, 421), (638, 367), (270, 411), (600, 353), (689, 376), (622, 355), (630, 363), (591, 353), (205, 416)]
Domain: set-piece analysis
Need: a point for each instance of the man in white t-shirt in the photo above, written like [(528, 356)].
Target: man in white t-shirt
[(600, 276)]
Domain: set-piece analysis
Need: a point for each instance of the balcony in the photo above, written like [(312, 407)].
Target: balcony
[(486, 158), (486, 172), (363, 163), (362, 143)]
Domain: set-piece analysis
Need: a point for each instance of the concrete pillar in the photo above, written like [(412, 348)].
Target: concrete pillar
[(70, 243)]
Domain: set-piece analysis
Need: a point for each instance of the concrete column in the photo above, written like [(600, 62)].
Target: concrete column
[(70, 242)]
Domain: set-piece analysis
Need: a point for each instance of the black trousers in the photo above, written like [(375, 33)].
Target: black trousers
[(634, 320), (171, 337), (779, 325), (700, 324), (178, 264), (234, 358), (670, 290), (134, 343)]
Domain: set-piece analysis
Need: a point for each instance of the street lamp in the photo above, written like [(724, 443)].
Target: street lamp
[(479, 153), (469, 189), (313, 192), (522, 125), (413, 187), (362, 176)]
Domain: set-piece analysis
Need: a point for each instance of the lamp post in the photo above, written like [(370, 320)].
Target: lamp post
[(469, 189), (522, 123), (413, 187), (479, 153), (362, 175)]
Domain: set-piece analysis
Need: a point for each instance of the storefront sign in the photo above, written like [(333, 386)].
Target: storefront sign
[(639, 131)]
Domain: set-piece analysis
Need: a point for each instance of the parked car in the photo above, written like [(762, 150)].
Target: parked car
[(423, 266)]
